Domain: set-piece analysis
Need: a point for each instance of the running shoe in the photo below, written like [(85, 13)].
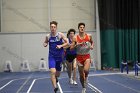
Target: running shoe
[(74, 82), (71, 81), (84, 90)]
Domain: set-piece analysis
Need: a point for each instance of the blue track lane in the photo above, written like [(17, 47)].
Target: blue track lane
[(23, 82)]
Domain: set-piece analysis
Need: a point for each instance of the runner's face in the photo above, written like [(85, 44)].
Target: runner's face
[(81, 28), (71, 34), (53, 28)]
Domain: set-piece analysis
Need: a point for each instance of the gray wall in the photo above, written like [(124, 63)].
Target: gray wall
[(18, 47), (35, 15), (26, 22)]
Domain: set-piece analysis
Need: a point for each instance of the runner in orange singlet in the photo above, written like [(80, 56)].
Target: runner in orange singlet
[(83, 43)]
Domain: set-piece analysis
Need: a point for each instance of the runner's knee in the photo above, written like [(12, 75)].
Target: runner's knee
[(86, 73), (53, 74)]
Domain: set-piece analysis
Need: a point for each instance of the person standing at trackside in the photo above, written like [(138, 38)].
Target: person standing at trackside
[(71, 58), (56, 41), (83, 43)]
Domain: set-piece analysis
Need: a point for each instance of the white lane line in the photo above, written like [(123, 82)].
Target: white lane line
[(31, 86), (59, 87), (6, 84), (120, 84), (27, 79), (104, 74), (10, 82), (94, 88), (42, 78), (91, 88)]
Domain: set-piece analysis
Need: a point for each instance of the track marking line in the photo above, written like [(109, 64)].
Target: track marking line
[(31, 86), (91, 88), (120, 84), (24, 83), (10, 82), (104, 74), (59, 87), (6, 84), (42, 78), (94, 88)]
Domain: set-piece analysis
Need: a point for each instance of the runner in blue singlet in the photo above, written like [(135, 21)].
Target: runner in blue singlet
[(55, 55), (56, 41)]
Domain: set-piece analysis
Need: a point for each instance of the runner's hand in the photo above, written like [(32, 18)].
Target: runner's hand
[(58, 46), (91, 47), (45, 44)]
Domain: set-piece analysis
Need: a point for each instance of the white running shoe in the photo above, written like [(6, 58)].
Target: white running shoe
[(74, 82), (71, 81), (84, 90)]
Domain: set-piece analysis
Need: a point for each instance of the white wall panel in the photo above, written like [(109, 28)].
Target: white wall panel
[(34, 15)]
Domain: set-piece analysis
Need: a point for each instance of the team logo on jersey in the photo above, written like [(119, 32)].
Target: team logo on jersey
[(55, 40)]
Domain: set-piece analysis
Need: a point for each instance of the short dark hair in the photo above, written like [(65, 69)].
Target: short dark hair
[(53, 22), (81, 24), (71, 30)]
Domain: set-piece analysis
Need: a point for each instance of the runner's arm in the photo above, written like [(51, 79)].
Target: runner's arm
[(65, 41), (45, 44), (91, 41), (73, 44), (67, 46)]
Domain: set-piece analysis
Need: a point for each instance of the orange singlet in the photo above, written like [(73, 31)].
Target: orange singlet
[(83, 49)]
